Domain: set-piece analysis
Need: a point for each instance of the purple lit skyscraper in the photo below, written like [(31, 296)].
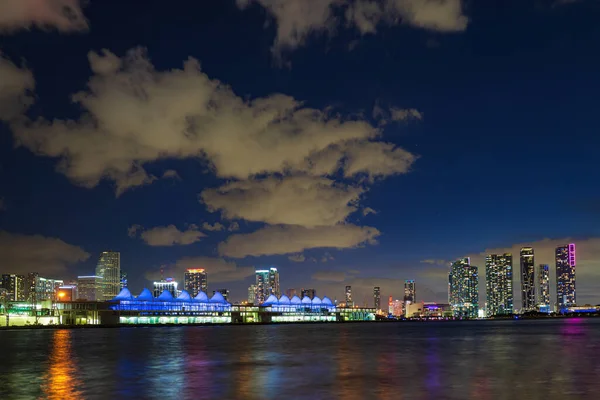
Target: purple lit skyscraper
[(565, 276)]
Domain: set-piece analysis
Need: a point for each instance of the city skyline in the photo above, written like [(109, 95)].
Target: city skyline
[(291, 151)]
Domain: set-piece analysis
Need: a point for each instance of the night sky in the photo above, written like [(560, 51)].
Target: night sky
[(349, 143)]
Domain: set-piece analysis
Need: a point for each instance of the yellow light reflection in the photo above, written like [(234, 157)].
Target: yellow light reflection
[(60, 382)]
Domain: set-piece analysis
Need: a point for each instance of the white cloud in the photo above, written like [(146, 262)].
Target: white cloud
[(297, 20), (368, 210), (167, 235), (295, 239), (402, 114), (297, 257), (211, 228), (296, 200), (137, 115), (63, 15), (25, 253), (171, 173), (15, 86), (218, 270), (234, 226)]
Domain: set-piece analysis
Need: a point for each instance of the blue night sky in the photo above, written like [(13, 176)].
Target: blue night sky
[(342, 149)]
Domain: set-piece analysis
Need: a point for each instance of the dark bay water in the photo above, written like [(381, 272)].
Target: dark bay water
[(470, 360)]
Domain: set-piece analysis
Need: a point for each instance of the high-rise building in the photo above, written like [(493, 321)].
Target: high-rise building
[(310, 293), (543, 289), (66, 293), (15, 286), (527, 279), (410, 293), (499, 284), (463, 289), (166, 284), (397, 308), (349, 302), (31, 287), (109, 268), (377, 297), (290, 293), (224, 292), (251, 294), (274, 287), (262, 285), (195, 280), (565, 276), (89, 288), (123, 279)]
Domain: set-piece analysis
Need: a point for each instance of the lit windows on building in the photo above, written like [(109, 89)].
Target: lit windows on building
[(527, 279), (410, 293), (167, 284), (499, 284), (195, 280), (251, 294), (543, 288), (377, 297), (565, 276), (109, 268), (15, 286), (310, 293), (89, 288), (262, 285), (224, 292), (463, 289), (349, 302), (123, 279), (274, 287)]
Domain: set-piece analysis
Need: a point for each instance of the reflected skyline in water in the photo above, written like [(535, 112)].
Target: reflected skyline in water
[(470, 360)]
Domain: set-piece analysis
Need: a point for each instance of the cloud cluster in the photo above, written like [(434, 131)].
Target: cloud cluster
[(167, 235), (22, 254), (16, 85), (63, 15), (298, 19)]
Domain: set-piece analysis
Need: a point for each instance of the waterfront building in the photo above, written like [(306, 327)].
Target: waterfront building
[(15, 286), (109, 268), (410, 293), (349, 302), (195, 280), (262, 285), (224, 292), (274, 287), (290, 293), (499, 284), (168, 285), (463, 289), (66, 293), (565, 276), (413, 309), (397, 308), (251, 294), (377, 297), (40, 289), (527, 279), (543, 289), (310, 293), (90, 288)]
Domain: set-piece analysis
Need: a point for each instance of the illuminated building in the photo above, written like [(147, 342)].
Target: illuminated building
[(195, 280), (89, 288), (377, 297), (543, 289), (290, 293), (41, 289), (565, 276), (463, 282), (168, 285), (262, 285), (274, 287), (397, 308), (436, 310), (349, 302), (14, 286), (123, 279), (527, 279), (66, 293), (251, 294), (109, 268), (499, 284), (390, 306), (410, 294), (224, 292), (310, 293)]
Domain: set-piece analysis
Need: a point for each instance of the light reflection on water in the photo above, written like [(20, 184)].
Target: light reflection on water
[(471, 360)]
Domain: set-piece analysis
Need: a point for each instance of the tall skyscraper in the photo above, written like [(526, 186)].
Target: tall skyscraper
[(463, 289), (349, 302), (310, 293), (565, 276), (31, 287), (109, 268), (195, 280), (543, 290), (377, 297), (262, 285), (410, 293), (15, 286), (274, 287), (499, 284), (527, 279), (89, 288), (251, 294), (123, 279), (224, 292), (168, 284)]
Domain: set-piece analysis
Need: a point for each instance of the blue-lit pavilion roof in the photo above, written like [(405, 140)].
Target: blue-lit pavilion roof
[(316, 300), (218, 298), (201, 297), (272, 299), (284, 300), (145, 295), (326, 300), (124, 294), (165, 296), (306, 300), (295, 300), (184, 296)]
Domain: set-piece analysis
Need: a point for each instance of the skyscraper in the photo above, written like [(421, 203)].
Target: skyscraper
[(274, 287), (377, 297), (109, 269), (168, 284), (543, 290), (195, 280), (499, 284), (251, 294), (89, 288), (310, 293), (349, 302), (262, 285), (123, 279), (565, 276), (15, 286), (410, 294), (463, 289), (527, 279)]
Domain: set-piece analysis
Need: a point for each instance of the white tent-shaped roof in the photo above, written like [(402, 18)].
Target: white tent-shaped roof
[(165, 296), (145, 295), (327, 301), (201, 297), (306, 300), (316, 300), (218, 298), (271, 300), (284, 300), (124, 294), (295, 300), (184, 296)]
